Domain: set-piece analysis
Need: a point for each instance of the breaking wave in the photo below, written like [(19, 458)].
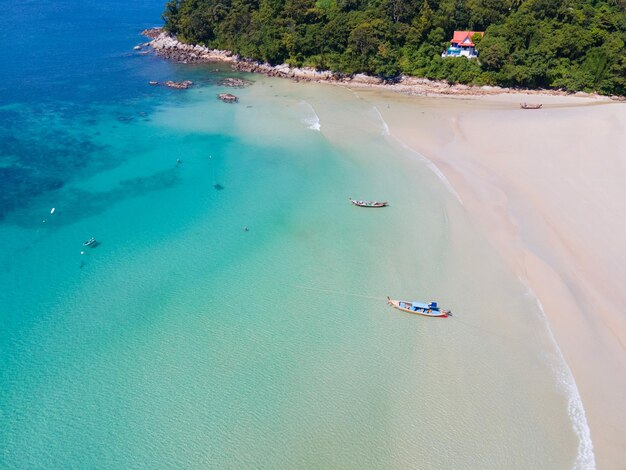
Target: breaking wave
[(585, 458), (312, 121)]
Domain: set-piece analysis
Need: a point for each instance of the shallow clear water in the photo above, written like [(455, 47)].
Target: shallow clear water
[(183, 340)]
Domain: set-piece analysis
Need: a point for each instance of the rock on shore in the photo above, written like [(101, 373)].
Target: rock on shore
[(235, 82), (167, 46)]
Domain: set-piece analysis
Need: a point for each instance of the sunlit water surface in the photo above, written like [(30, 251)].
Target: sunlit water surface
[(184, 340)]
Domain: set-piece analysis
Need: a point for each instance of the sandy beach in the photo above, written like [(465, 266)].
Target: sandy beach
[(546, 187)]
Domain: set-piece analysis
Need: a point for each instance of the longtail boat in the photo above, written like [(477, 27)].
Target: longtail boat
[(91, 242), (530, 106), (430, 309), (368, 203)]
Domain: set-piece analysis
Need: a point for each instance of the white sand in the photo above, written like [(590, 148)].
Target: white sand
[(548, 187)]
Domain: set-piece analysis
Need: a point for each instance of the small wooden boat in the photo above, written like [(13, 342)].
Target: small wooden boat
[(530, 106), (429, 310), (368, 203), (91, 242)]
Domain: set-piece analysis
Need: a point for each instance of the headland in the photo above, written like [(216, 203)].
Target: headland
[(169, 47)]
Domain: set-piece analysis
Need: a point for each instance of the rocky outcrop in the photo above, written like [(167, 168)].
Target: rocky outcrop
[(235, 83), (228, 98), (178, 85), (285, 71), (172, 84), (152, 33), (167, 46)]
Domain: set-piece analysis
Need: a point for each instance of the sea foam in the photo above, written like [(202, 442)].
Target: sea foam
[(585, 457), (382, 120), (311, 120)]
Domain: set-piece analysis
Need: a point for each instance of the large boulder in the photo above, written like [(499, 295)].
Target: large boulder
[(179, 85), (228, 98)]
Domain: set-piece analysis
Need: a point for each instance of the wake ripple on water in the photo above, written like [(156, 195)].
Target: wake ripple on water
[(312, 120), (585, 458)]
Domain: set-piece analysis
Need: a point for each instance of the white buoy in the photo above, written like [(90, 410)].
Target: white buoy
[(52, 210)]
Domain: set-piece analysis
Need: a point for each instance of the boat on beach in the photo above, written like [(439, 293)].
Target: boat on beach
[(430, 309), (368, 203), (530, 106)]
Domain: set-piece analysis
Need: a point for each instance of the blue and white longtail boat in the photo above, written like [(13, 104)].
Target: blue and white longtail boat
[(430, 309)]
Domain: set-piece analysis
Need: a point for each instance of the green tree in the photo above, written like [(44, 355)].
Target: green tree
[(569, 44)]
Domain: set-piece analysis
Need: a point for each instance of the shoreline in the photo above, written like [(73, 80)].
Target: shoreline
[(167, 46), (537, 184)]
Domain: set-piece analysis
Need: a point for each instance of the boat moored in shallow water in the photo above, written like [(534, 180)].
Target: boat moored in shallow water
[(91, 242), (430, 309), (368, 203)]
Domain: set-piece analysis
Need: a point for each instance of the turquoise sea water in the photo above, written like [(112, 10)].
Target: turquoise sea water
[(183, 340)]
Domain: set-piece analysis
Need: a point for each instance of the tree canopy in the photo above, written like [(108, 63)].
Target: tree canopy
[(576, 45)]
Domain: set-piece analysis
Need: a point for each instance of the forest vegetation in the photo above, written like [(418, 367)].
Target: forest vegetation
[(575, 45)]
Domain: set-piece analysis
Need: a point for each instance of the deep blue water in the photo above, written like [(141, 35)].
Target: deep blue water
[(68, 67), (76, 51)]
